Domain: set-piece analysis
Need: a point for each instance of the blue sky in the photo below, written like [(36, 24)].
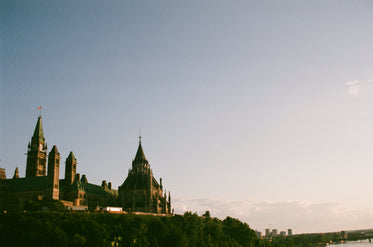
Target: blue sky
[(259, 110)]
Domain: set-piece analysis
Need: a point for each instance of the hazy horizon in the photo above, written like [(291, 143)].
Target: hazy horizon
[(259, 110)]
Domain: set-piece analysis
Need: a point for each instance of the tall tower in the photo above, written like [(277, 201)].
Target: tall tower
[(70, 169), (37, 153), (70, 174), (53, 174)]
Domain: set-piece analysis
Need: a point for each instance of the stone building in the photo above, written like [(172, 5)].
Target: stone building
[(42, 180), (141, 192)]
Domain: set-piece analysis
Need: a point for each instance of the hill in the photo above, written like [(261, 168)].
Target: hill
[(88, 229)]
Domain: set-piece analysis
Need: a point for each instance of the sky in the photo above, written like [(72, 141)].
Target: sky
[(259, 110)]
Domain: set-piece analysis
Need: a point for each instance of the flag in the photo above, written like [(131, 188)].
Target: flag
[(39, 108)]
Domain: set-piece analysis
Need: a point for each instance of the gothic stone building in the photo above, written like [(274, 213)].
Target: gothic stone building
[(42, 180), (140, 192)]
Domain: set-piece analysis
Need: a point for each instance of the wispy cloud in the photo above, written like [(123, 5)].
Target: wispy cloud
[(302, 216), (355, 86)]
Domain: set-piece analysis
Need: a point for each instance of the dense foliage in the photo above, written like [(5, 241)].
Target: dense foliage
[(47, 204), (87, 229), (306, 240)]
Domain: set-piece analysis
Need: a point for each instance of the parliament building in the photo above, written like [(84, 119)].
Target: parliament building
[(140, 192)]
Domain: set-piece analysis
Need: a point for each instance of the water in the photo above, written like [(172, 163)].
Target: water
[(359, 243)]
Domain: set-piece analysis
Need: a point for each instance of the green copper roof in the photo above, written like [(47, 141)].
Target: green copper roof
[(38, 133)]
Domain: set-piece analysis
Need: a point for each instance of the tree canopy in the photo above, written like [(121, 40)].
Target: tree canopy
[(88, 229)]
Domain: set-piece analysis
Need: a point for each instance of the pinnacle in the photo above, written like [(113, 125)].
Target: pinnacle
[(71, 156), (38, 132), (140, 156), (54, 150)]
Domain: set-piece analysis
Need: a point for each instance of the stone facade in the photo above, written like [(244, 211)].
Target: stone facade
[(140, 192), (38, 184)]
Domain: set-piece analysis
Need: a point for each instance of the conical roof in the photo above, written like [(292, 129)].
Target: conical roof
[(38, 132), (140, 156)]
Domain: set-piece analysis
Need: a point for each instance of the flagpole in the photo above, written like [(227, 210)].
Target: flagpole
[(39, 109)]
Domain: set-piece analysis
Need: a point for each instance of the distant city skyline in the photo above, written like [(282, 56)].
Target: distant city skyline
[(255, 110)]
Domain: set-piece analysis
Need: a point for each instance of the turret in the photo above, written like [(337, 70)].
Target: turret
[(169, 202), (16, 174), (70, 169), (53, 174), (104, 184), (84, 179)]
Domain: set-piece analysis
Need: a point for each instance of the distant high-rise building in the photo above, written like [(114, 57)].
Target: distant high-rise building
[(290, 232), (258, 234), (274, 232), (267, 232), (282, 233)]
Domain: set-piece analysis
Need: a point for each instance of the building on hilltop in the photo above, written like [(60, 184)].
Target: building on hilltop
[(42, 180), (36, 165), (141, 192)]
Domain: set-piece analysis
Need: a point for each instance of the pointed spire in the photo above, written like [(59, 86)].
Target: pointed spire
[(38, 132), (140, 156), (84, 179), (71, 156), (54, 150), (16, 174)]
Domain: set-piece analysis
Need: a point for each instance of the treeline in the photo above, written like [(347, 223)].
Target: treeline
[(306, 240), (87, 229)]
